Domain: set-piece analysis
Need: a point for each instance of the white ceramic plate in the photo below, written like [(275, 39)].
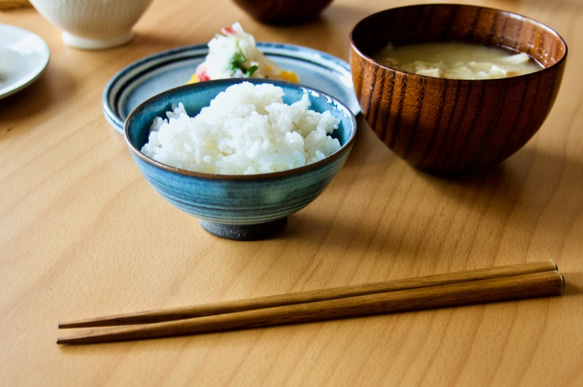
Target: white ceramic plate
[(23, 58), (154, 74)]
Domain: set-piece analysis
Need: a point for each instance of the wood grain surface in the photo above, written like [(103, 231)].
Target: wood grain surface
[(82, 234)]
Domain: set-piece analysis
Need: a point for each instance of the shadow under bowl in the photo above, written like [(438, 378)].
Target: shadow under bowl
[(450, 126), (239, 207)]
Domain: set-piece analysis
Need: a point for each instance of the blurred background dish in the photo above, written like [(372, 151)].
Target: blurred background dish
[(283, 11), (93, 24), (24, 56), (454, 125), (162, 71)]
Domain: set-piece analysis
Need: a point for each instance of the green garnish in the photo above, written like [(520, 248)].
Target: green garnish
[(251, 70), (238, 63)]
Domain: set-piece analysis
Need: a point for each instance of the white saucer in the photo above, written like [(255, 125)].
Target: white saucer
[(23, 58)]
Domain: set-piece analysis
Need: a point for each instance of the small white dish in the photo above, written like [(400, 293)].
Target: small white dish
[(93, 24), (23, 58)]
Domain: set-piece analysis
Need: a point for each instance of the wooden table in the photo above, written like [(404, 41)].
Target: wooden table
[(82, 234)]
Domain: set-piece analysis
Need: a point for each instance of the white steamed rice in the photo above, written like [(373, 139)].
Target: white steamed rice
[(247, 129)]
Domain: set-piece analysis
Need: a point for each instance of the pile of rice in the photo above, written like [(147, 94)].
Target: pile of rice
[(247, 129)]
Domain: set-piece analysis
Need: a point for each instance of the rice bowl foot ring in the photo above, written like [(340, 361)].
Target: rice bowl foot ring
[(243, 232), (96, 44)]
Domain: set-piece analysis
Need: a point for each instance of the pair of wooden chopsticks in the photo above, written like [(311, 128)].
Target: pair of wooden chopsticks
[(503, 283)]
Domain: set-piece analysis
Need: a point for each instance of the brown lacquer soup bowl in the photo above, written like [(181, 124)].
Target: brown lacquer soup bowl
[(283, 11), (451, 126)]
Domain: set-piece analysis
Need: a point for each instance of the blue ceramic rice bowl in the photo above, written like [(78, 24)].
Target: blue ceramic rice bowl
[(240, 207)]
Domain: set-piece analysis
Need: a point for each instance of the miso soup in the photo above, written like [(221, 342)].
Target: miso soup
[(457, 60)]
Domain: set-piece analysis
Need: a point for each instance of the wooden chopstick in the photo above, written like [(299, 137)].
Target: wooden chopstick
[(472, 292), (482, 287), (311, 296)]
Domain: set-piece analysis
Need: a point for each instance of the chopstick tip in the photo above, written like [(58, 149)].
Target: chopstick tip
[(562, 277), (552, 261)]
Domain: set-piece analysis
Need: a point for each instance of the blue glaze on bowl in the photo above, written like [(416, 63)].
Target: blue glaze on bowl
[(238, 207)]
